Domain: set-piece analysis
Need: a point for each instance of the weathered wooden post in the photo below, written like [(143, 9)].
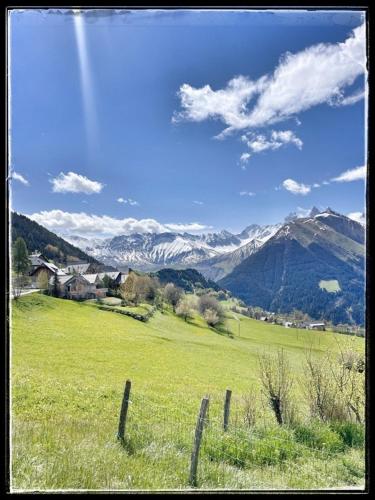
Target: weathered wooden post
[(124, 411), (197, 442), (228, 395)]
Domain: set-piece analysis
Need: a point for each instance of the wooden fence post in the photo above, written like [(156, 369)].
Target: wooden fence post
[(228, 395), (197, 442), (124, 411)]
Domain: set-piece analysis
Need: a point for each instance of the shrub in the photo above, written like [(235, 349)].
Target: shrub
[(211, 317), (185, 307), (250, 405), (335, 388), (172, 294), (352, 434), (321, 390), (211, 310), (275, 375), (320, 437)]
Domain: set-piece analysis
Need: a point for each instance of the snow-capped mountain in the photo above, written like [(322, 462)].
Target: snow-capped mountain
[(152, 251), (213, 254)]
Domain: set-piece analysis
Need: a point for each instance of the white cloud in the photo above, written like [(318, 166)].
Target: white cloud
[(244, 158), (316, 185), (193, 226), (196, 202), (129, 201), (295, 187), (102, 225), (247, 193), (316, 75), (277, 139), (353, 174), (228, 104), (75, 183), (18, 177), (349, 100), (358, 217)]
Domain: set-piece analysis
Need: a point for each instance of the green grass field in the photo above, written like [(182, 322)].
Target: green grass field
[(69, 362)]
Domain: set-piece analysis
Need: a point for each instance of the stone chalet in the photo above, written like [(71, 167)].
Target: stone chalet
[(75, 281), (79, 286), (40, 264)]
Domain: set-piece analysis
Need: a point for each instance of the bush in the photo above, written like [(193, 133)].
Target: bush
[(172, 294), (211, 317), (276, 378), (250, 405), (185, 307), (352, 434), (320, 437), (211, 310)]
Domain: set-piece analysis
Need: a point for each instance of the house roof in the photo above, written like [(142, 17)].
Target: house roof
[(111, 274), (37, 259), (77, 268), (64, 279), (91, 278), (317, 324), (54, 269)]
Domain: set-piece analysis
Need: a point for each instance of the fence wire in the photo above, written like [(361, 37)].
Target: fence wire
[(153, 426)]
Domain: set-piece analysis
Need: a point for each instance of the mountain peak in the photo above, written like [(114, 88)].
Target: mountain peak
[(314, 211)]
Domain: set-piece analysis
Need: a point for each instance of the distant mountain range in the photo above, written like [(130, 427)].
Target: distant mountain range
[(314, 264), (154, 251)]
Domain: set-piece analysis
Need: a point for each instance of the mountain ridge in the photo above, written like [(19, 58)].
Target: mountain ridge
[(290, 270)]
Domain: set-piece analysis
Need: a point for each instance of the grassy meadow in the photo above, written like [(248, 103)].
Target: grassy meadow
[(69, 362)]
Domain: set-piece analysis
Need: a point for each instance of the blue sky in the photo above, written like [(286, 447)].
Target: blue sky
[(185, 120)]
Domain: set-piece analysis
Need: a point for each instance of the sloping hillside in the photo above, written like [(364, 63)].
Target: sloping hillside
[(40, 239), (69, 364), (286, 272)]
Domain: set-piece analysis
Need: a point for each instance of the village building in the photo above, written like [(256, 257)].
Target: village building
[(317, 326), (79, 287), (47, 267), (117, 276), (36, 259)]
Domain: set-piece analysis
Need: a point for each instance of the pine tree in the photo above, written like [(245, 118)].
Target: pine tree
[(55, 289), (20, 257)]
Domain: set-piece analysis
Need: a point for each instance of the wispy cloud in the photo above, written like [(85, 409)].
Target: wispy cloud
[(296, 187), (102, 225), (18, 177), (244, 158), (128, 201), (341, 100), (316, 75), (197, 202), (276, 139), (192, 226), (353, 174), (75, 183), (247, 193)]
